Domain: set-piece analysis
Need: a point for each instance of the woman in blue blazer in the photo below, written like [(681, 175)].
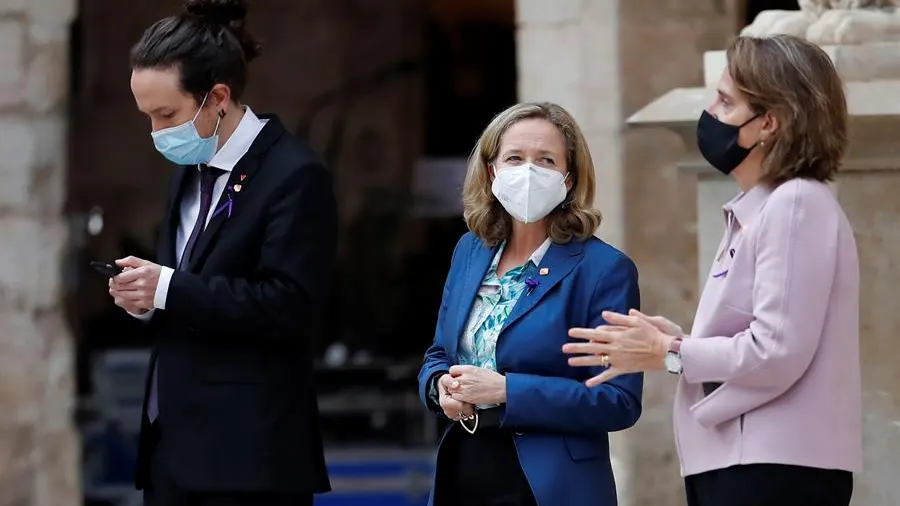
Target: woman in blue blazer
[(529, 431)]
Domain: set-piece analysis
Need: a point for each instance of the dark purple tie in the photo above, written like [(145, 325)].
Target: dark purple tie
[(208, 176)]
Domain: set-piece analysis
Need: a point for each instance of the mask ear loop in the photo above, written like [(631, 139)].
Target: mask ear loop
[(219, 115), (747, 123), (202, 103), (570, 194)]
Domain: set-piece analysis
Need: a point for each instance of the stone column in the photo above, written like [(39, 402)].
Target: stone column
[(602, 60), (38, 446), (867, 189)]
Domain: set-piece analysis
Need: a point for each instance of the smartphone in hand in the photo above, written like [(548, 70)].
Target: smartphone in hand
[(107, 269)]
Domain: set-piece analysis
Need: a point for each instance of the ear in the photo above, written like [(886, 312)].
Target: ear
[(570, 181), (220, 95), (769, 125), (492, 171)]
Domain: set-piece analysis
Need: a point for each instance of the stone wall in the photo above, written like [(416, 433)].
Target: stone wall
[(38, 446)]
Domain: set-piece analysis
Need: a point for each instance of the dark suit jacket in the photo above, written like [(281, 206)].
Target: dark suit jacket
[(237, 405), (561, 426)]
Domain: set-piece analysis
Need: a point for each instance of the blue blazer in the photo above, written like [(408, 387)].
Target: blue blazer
[(560, 425)]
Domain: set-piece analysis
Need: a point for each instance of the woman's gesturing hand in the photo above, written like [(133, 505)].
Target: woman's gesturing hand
[(630, 343)]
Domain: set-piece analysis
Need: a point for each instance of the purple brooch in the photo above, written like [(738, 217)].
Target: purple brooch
[(532, 284)]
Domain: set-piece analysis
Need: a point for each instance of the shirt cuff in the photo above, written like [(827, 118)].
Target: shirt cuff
[(144, 317), (162, 287), (433, 394)]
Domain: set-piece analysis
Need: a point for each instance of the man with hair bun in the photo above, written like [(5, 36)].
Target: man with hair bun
[(244, 263)]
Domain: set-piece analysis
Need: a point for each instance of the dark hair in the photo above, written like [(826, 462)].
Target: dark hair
[(207, 43)]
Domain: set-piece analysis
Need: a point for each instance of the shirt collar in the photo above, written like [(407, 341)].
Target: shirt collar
[(239, 143), (539, 253), (747, 205), (535, 257)]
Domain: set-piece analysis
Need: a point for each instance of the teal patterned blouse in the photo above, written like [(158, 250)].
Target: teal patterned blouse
[(495, 301)]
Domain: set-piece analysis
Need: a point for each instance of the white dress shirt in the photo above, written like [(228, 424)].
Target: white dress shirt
[(225, 159)]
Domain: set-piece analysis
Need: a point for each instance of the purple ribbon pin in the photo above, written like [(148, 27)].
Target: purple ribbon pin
[(226, 206), (532, 284)]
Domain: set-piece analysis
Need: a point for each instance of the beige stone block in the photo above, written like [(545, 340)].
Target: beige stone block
[(606, 152), (17, 467), (12, 6), (12, 52), (30, 261), (870, 201), (58, 378), (21, 362), (58, 483), (549, 54), (17, 151), (48, 179), (56, 13), (540, 12)]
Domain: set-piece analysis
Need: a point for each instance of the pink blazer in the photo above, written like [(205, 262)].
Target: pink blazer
[(777, 335)]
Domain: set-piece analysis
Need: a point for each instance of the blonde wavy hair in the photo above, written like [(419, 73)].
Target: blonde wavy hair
[(484, 214)]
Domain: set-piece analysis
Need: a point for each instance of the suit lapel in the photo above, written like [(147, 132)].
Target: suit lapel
[(177, 185), (558, 262), (474, 275), (242, 175)]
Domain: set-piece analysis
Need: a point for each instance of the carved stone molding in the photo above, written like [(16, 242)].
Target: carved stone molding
[(829, 22)]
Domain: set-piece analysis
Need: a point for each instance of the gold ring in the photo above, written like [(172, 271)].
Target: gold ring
[(604, 360)]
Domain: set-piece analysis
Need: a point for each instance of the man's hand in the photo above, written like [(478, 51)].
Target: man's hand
[(135, 288), (453, 409)]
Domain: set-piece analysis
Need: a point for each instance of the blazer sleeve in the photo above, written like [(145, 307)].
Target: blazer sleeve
[(796, 258), (293, 279), (437, 361), (568, 405)]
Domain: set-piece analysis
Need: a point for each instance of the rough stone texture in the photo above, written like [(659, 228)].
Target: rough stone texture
[(830, 22), (870, 200), (38, 447), (603, 61)]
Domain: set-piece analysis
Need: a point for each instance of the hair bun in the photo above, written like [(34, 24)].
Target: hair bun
[(224, 12)]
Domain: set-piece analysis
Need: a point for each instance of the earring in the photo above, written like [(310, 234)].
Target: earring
[(221, 113)]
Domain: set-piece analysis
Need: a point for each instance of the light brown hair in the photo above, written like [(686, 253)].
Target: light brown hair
[(795, 81), (484, 214)]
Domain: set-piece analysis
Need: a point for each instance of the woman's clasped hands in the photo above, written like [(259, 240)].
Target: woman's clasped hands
[(466, 386), (626, 344)]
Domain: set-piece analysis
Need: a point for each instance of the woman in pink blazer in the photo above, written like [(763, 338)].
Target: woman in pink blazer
[(768, 408)]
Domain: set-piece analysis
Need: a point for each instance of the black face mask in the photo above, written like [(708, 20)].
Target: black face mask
[(718, 143)]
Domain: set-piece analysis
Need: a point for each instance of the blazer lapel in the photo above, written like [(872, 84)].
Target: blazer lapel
[(558, 262), (242, 175), (473, 276), (166, 250)]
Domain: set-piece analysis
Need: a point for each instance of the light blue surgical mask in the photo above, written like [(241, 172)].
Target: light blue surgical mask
[(183, 145)]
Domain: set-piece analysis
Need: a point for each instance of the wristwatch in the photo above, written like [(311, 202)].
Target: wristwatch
[(673, 356)]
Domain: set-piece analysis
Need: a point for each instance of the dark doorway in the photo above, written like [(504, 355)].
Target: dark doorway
[(754, 7)]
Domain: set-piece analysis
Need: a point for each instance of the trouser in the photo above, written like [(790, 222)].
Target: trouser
[(480, 469), (162, 490), (770, 485)]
